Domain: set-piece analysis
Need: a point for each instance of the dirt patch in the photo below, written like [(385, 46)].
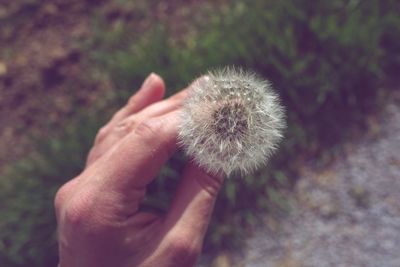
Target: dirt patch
[(42, 74), (45, 73)]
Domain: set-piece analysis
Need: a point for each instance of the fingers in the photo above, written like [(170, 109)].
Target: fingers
[(152, 90), (192, 207), (139, 156), (157, 109), (113, 133), (165, 106)]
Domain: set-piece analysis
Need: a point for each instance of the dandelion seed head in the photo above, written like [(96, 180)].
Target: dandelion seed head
[(231, 122)]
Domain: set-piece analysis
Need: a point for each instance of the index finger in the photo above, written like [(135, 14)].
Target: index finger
[(191, 209), (136, 160)]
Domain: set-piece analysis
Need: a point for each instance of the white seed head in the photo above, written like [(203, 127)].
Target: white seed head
[(231, 122)]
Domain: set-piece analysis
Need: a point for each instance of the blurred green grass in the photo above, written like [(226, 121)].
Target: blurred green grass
[(329, 61)]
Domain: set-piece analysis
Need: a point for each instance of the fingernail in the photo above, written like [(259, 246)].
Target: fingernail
[(149, 80)]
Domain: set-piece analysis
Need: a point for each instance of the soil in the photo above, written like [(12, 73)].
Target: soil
[(46, 72), (42, 70)]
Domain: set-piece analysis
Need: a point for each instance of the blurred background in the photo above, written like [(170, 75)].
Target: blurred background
[(67, 65)]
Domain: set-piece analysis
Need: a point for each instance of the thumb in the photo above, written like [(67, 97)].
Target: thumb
[(193, 204)]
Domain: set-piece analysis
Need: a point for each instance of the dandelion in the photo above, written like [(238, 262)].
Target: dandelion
[(231, 122)]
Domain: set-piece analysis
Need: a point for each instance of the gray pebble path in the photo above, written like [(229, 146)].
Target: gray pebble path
[(343, 216)]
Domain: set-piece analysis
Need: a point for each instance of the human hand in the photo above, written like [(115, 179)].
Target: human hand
[(97, 212)]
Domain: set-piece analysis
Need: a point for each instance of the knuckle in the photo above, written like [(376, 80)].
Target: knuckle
[(78, 210), (117, 115), (175, 103), (184, 250), (75, 214), (149, 130), (179, 96), (154, 133), (62, 193), (59, 198), (132, 102), (126, 125), (93, 155), (211, 184), (101, 134), (81, 216)]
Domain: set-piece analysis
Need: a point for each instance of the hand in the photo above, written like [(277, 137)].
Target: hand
[(97, 212)]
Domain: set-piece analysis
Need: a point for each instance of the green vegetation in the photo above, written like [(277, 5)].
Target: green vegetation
[(328, 60)]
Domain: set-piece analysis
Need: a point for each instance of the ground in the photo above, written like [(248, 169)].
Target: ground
[(42, 70), (46, 71), (346, 214)]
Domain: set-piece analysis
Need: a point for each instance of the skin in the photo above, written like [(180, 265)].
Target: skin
[(97, 212)]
